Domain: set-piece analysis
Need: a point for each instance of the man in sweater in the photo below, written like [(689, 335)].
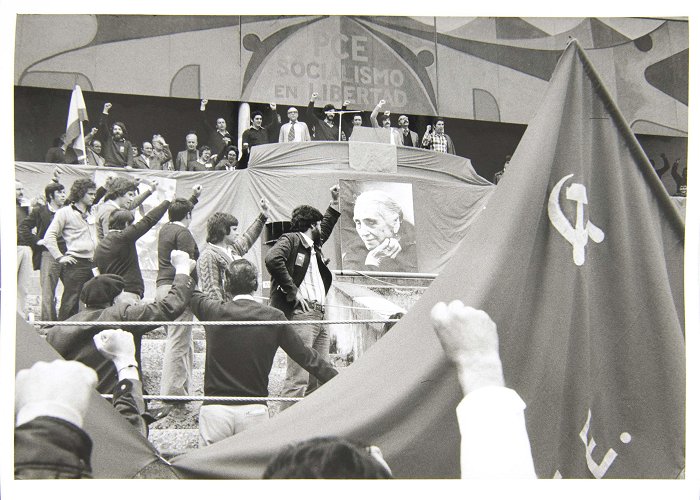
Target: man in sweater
[(116, 252), (121, 194), (239, 358), (300, 282), (326, 129), (71, 223), (116, 150), (32, 231), (176, 378), (224, 245), (259, 132)]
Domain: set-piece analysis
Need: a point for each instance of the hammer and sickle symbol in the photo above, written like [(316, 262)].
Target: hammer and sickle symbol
[(578, 235)]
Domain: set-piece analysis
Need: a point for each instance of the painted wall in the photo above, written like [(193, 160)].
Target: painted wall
[(489, 69)]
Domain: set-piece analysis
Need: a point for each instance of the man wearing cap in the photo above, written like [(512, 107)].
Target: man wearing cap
[(300, 281), (294, 130), (115, 148), (104, 301), (326, 129)]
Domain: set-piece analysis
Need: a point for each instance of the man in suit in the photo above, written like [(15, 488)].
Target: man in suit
[(300, 282), (408, 137), (148, 160), (294, 130), (187, 159)]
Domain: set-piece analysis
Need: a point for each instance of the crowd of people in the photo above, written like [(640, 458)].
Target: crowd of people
[(108, 144), (86, 238), (52, 399)]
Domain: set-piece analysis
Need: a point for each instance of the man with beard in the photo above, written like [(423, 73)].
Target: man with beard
[(409, 138), (116, 150), (326, 129), (385, 122), (32, 231), (300, 282), (71, 223)]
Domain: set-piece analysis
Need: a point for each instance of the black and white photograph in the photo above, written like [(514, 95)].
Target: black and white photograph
[(378, 230), (210, 276)]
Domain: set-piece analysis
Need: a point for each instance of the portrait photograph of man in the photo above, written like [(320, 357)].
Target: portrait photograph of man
[(377, 226)]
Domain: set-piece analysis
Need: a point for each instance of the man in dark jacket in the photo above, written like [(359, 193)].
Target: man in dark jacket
[(103, 301), (31, 232), (300, 282)]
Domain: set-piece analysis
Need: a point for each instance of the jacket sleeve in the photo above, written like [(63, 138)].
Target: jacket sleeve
[(26, 236), (204, 307), (281, 137), (128, 401), (167, 309), (244, 241), (51, 448), (209, 277), (276, 263), (306, 357), (103, 129), (330, 218), (450, 146), (135, 231)]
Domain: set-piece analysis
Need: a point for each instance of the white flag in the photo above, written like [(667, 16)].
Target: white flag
[(77, 112)]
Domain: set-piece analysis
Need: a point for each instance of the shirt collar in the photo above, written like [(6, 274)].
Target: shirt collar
[(179, 223), (306, 241), (245, 296)]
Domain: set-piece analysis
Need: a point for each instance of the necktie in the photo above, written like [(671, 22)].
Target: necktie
[(291, 133)]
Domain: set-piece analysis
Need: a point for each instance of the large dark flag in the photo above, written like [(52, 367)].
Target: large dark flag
[(578, 258)]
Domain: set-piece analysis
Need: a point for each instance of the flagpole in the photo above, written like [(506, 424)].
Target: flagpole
[(82, 134)]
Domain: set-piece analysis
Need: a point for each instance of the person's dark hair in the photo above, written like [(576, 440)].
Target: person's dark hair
[(179, 209), (204, 148), (121, 126), (120, 218), (79, 188), (303, 217), (325, 458), (50, 190), (328, 107), (438, 119), (255, 113), (227, 150), (219, 225), (384, 118), (241, 277), (119, 187)]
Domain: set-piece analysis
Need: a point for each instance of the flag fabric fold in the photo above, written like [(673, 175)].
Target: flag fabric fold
[(77, 113), (578, 258)]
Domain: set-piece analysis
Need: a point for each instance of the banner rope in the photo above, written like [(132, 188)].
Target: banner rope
[(237, 399), (156, 324)]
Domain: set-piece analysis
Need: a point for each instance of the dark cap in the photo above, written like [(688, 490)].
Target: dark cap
[(101, 289)]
